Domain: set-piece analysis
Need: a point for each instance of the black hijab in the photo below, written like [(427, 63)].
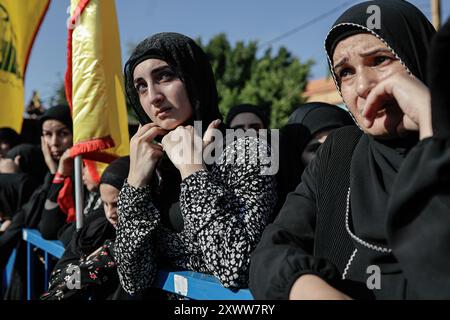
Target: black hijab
[(404, 30), (59, 112), (241, 108), (375, 163), (192, 66), (116, 172), (306, 121), (31, 160), (10, 136), (16, 188)]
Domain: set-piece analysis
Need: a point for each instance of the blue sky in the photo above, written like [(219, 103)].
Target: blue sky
[(245, 20)]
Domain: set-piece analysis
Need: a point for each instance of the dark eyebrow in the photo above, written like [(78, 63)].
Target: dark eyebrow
[(154, 71), (56, 130), (374, 51), (340, 63)]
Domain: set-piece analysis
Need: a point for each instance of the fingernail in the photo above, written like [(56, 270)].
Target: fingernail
[(217, 122)]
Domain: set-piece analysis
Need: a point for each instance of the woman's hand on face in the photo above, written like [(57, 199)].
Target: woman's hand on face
[(144, 154), (312, 287), (411, 96), (184, 146), (65, 165), (51, 163)]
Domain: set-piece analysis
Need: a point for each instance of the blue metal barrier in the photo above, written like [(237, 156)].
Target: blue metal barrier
[(55, 248), (192, 285)]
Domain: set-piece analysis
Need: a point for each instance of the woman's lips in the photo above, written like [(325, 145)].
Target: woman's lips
[(163, 112)]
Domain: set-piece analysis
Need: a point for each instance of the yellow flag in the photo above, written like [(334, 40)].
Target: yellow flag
[(94, 83), (19, 23)]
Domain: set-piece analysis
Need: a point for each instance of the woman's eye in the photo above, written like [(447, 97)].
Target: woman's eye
[(381, 59), (140, 88), (166, 76), (344, 73)]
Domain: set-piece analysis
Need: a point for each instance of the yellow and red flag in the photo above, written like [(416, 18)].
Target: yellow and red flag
[(19, 23), (94, 84)]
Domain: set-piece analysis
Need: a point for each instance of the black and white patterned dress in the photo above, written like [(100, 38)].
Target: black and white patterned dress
[(225, 211)]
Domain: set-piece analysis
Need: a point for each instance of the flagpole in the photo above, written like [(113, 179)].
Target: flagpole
[(79, 191)]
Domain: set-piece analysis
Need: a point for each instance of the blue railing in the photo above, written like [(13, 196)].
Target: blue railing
[(192, 285)]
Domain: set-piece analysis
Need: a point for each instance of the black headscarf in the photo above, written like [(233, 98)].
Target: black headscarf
[(31, 160), (241, 108), (116, 172), (16, 188), (61, 113), (192, 66), (438, 78), (375, 163), (9, 136), (404, 29), (306, 121)]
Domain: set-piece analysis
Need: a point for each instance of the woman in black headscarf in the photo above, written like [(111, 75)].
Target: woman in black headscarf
[(27, 171), (90, 248), (335, 238), (247, 116), (9, 138), (179, 213), (306, 130)]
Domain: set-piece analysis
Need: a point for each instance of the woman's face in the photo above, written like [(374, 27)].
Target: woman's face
[(246, 120), (109, 195), (309, 153), (162, 94), (360, 62), (88, 181), (58, 137)]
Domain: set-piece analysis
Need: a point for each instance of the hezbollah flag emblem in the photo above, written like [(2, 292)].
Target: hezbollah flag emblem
[(19, 23)]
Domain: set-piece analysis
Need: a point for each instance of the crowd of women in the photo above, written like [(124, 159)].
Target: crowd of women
[(357, 188)]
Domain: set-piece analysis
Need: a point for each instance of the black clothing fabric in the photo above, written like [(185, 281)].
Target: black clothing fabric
[(31, 160), (308, 235), (439, 81), (15, 190), (259, 111), (53, 224), (116, 172), (95, 232), (60, 112), (28, 216), (9, 136), (306, 121), (418, 220), (404, 29), (190, 64)]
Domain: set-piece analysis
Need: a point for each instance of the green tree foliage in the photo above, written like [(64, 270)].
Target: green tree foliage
[(274, 82), (59, 95)]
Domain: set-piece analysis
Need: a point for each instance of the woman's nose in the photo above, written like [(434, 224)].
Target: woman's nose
[(366, 80), (54, 141), (155, 95)]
